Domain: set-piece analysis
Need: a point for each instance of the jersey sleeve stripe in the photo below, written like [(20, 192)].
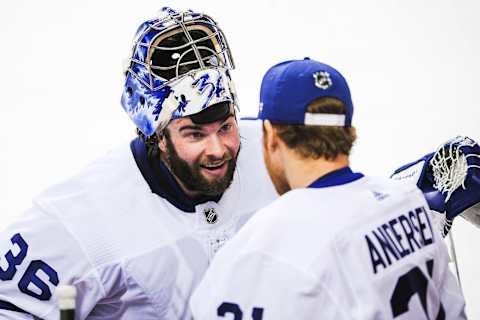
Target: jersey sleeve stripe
[(11, 307)]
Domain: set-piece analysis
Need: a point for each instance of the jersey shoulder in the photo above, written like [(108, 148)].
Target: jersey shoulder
[(107, 204), (312, 219), (116, 168)]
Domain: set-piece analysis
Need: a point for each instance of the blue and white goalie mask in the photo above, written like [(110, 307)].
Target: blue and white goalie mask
[(180, 64)]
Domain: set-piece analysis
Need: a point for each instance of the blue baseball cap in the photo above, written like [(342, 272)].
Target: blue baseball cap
[(289, 87)]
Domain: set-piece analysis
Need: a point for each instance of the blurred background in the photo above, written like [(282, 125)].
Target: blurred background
[(412, 68)]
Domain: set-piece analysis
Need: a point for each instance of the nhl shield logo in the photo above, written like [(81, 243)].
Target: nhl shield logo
[(322, 80), (210, 215)]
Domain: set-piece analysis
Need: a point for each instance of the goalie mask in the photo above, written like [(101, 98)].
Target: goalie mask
[(180, 64)]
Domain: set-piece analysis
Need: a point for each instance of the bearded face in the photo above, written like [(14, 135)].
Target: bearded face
[(202, 157), (194, 179)]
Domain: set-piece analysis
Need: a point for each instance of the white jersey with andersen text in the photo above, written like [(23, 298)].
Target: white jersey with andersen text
[(361, 250)]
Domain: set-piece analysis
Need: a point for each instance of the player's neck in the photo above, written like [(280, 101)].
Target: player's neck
[(300, 173)]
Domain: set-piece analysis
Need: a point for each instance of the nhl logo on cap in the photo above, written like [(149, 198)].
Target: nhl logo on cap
[(322, 80), (210, 215)]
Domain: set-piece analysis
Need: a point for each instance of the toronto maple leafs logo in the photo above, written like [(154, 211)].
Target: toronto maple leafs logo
[(322, 80)]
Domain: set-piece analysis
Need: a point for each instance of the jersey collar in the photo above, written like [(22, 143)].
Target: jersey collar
[(336, 178), (161, 181)]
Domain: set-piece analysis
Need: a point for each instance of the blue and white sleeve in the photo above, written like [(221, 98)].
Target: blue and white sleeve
[(37, 253)]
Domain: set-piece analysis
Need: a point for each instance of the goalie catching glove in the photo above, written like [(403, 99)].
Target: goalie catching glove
[(450, 180)]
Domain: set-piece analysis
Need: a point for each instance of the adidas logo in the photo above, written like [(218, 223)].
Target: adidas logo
[(379, 196)]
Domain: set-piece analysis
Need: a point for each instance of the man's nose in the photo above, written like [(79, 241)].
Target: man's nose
[(215, 147)]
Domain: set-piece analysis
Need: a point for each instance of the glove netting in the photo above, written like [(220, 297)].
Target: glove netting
[(449, 165)]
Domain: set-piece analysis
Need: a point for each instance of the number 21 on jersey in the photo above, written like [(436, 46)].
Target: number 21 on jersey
[(414, 282), (233, 308)]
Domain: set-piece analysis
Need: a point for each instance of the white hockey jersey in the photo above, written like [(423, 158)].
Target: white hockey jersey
[(348, 247), (130, 253)]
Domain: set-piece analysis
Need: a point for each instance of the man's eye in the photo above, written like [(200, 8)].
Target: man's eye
[(226, 127), (195, 135)]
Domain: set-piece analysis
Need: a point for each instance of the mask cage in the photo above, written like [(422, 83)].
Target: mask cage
[(182, 43)]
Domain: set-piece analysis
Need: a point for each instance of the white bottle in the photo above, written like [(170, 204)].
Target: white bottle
[(66, 300)]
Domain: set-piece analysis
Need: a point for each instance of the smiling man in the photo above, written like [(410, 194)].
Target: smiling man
[(201, 150), (135, 231)]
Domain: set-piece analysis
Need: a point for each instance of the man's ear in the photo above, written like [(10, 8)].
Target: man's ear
[(353, 131), (270, 137), (162, 143)]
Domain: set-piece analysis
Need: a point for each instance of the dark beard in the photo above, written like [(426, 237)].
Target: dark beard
[(191, 177)]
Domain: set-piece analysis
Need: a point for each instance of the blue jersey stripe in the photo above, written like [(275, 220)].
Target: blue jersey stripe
[(336, 178), (10, 306)]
